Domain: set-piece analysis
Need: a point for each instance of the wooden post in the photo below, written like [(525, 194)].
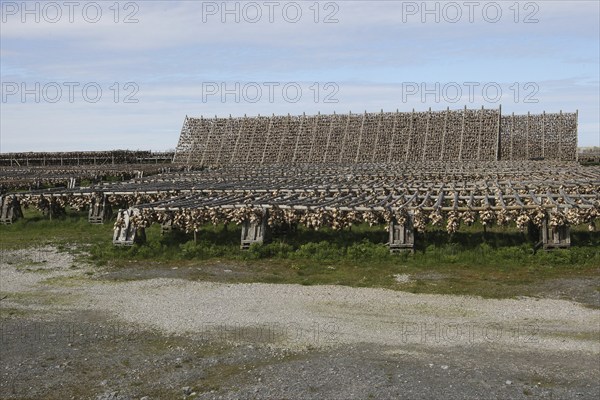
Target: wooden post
[(512, 134), (284, 135), (377, 136), (480, 134), (402, 237), (423, 156), (560, 133), (223, 139), (360, 135), (194, 141), (393, 142), (237, 140), (254, 232), (10, 210), (208, 140), (250, 150), (314, 137), (345, 136), (262, 160), (527, 138), (544, 134), (462, 134), (498, 132), (298, 136), (333, 120), (444, 133), (410, 134), (576, 136)]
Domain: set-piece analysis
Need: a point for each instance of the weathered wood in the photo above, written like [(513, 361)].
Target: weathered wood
[(402, 236), (254, 232), (10, 209), (126, 232), (554, 237), (100, 210), (457, 135)]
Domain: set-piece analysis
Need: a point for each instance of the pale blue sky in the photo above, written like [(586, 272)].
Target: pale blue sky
[(375, 54)]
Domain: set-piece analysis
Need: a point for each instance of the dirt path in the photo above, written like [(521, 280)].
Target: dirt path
[(155, 337)]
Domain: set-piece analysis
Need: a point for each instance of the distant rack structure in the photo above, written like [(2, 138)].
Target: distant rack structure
[(406, 171), (79, 158), (589, 155), (384, 137), (36, 170)]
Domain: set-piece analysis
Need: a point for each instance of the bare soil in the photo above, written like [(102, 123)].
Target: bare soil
[(70, 331)]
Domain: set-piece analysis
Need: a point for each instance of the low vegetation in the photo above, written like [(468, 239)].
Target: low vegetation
[(500, 262)]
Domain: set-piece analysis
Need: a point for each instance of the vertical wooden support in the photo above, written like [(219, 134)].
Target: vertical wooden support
[(393, 142), (167, 227), (254, 232), (544, 134), (480, 134), (402, 237), (512, 135), (267, 141), (10, 210), (284, 136), (186, 126), (100, 210), (333, 120), (377, 137), (237, 139), (360, 135), (298, 136), (498, 132), (423, 156), (314, 137), (462, 134), (410, 134), (576, 138), (345, 137), (249, 150), (444, 133), (126, 234), (554, 237), (223, 140), (208, 140), (560, 134), (527, 137)]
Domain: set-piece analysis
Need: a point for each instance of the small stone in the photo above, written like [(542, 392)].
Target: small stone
[(187, 390), (145, 398), (444, 367), (227, 270), (509, 382)]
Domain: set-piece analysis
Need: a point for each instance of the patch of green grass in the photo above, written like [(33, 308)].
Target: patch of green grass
[(499, 262), (35, 230)]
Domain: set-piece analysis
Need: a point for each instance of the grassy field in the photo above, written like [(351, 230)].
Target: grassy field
[(498, 263)]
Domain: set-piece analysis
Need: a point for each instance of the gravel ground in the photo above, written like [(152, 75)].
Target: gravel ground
[(65, 335)]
